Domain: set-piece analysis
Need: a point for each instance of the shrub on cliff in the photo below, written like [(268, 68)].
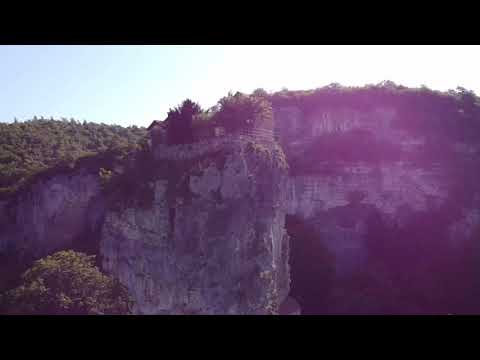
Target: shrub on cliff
[(260, 93), (67, 283), (240, 111), (179, 130)]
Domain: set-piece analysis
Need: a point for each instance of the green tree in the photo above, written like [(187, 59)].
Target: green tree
[(262, 93), (30, 147), (241, 111), (190, 108), (67, 283), (180, 130)]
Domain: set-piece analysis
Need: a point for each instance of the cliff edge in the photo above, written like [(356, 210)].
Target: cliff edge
[(208, 236)]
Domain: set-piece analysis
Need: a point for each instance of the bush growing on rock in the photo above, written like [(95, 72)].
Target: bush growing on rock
[(242, 111)]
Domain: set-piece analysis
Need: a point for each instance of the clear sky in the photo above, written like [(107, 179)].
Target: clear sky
[(132, 85)]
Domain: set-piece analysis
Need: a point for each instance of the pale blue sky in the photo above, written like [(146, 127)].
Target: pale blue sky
[(131, 85)]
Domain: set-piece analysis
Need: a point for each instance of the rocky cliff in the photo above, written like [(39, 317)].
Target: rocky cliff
[(198, 229), (211, 238), (387, 195), (355, 169), (50, 215)]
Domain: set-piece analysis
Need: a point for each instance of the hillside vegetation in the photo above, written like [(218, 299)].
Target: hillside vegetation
[(66, 283), (30, 147), (453, 113)]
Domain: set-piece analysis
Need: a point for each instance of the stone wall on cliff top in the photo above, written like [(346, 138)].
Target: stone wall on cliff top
[(212, 240)]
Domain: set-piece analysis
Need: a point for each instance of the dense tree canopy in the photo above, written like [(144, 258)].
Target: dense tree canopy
[(29, 147), (180, 122), (233, 112), (241, 111), (66, 283), (453, 113)]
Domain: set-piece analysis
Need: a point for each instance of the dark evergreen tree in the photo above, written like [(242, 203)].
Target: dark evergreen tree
[(180, 119)]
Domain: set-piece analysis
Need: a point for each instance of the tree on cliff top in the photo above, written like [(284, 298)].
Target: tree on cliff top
[(180, 120), (66, 283), (242, 111)]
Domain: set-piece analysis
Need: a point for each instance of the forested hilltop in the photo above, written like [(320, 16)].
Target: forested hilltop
[(29, 147), (454, 113), (401, 227)]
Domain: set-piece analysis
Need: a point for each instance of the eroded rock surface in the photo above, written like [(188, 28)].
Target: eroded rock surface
[(50, 215), (212, 241)]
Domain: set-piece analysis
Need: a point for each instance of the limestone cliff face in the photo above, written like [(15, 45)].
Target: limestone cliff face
[(50, 215), (211, 240), (201, 229), (348, 165)]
